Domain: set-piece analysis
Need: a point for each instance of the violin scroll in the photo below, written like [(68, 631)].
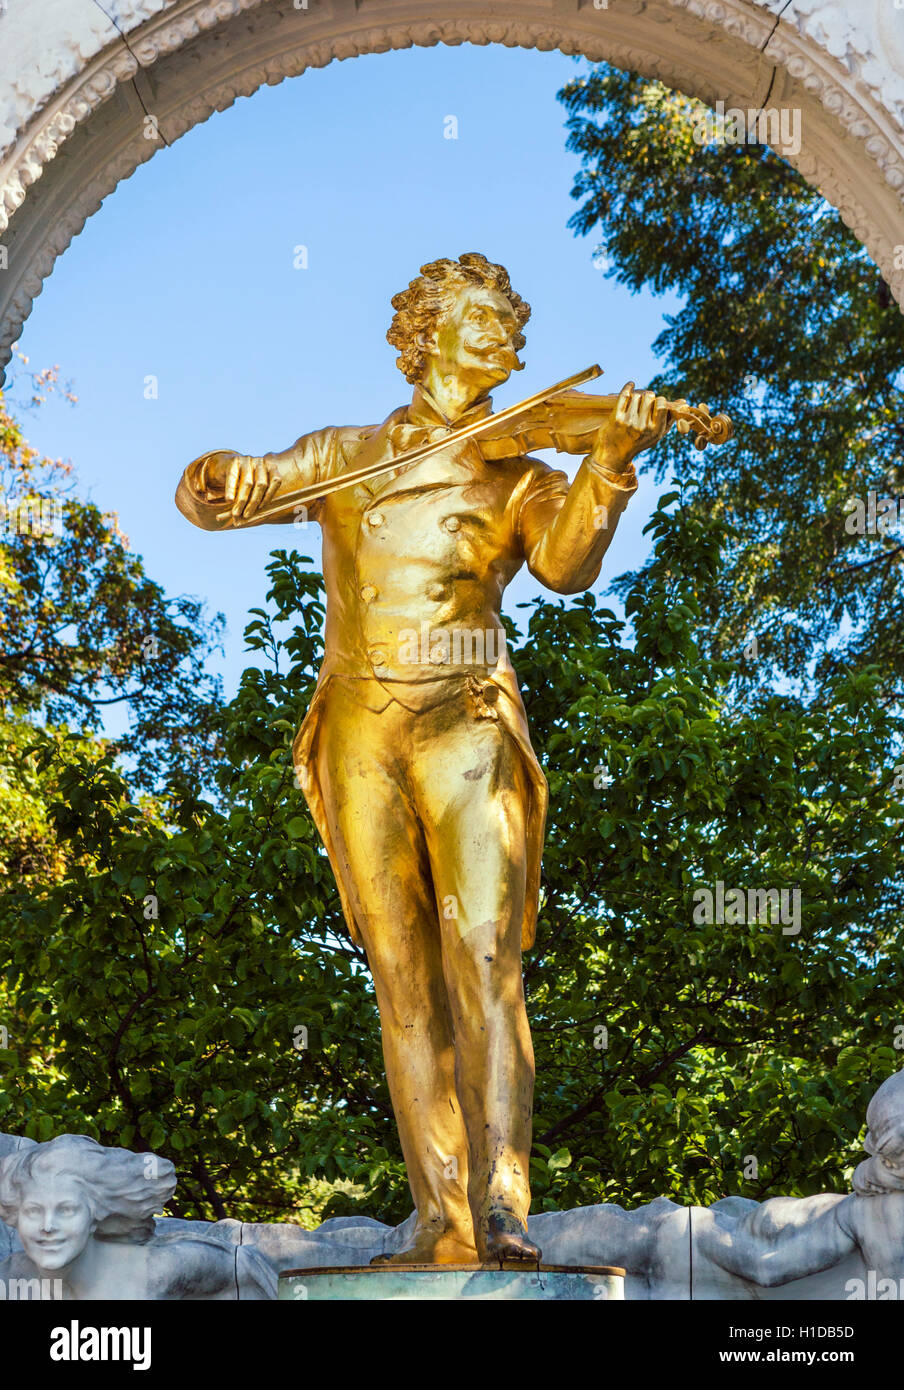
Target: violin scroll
[(720, 430), (696, 419)]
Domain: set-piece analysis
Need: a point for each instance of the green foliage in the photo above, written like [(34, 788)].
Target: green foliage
[(721, 1040), (185, 975), (180, 1031), (118, 1016), (787, 325), (83, 630)]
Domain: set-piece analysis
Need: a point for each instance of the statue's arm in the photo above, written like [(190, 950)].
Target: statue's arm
[(779, 1240), (223, 482), (565, 530), (197, 1268)]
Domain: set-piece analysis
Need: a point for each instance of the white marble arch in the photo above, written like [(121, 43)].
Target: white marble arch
[(77, 78)]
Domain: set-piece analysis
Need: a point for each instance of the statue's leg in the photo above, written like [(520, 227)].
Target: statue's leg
[(380, 854), (472, 796)]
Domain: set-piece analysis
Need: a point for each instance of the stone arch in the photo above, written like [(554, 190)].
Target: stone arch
[(78, 78)]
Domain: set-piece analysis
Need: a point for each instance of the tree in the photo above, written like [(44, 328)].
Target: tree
[(188, 977), (83, 630), (679, 1054), (788, 326), (194, 986)]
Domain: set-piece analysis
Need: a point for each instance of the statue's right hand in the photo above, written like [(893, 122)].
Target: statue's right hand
[(250, 484)]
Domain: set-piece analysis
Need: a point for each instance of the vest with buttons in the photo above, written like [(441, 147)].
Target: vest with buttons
[(416, 566)]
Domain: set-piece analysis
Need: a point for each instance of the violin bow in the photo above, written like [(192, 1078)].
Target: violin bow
[(313, 492)]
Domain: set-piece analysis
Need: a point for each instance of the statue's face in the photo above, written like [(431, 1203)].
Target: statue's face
[(54, 1223), (473, 339)]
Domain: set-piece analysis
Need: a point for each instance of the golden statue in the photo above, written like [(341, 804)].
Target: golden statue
[(414, 755)]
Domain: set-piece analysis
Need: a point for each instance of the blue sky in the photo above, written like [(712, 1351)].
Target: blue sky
[(186, 274)]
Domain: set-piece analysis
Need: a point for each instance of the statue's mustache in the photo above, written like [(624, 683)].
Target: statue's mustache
[(498, 351)]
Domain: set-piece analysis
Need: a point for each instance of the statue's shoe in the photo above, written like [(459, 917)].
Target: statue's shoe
[(428, 1248), (506, 1238)]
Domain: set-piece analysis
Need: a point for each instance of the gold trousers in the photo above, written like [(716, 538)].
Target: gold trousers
[(427, 816)]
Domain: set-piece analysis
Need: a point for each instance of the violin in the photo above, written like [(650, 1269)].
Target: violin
[(569, 420)]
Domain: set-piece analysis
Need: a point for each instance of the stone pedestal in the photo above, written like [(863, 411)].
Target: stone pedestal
[(511, 1283)]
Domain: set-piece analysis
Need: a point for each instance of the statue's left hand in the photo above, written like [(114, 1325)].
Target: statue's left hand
[(639, 421)]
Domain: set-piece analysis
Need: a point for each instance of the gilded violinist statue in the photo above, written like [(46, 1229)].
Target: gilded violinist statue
[(414, 755)]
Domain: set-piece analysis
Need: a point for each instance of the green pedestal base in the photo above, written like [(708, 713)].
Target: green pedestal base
[(513, 1283)]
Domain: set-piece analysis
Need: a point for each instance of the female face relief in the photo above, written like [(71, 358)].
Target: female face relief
[(55, 1222)]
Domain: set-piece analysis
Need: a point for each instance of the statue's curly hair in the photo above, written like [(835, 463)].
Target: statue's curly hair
[(419, 307), (123, 1189)]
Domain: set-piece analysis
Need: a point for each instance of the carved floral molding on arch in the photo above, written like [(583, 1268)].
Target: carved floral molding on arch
[(866, 36), (868, 44), (852, 64)]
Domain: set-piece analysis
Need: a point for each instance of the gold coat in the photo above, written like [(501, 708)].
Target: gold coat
[(415, 565)]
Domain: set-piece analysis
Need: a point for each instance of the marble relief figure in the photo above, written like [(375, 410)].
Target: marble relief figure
[(80, 1224), (84, 1216)]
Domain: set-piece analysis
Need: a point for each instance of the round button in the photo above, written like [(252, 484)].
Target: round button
[(375, 519), (368, 593), (377, 658), (436, 590), (452, 523)]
